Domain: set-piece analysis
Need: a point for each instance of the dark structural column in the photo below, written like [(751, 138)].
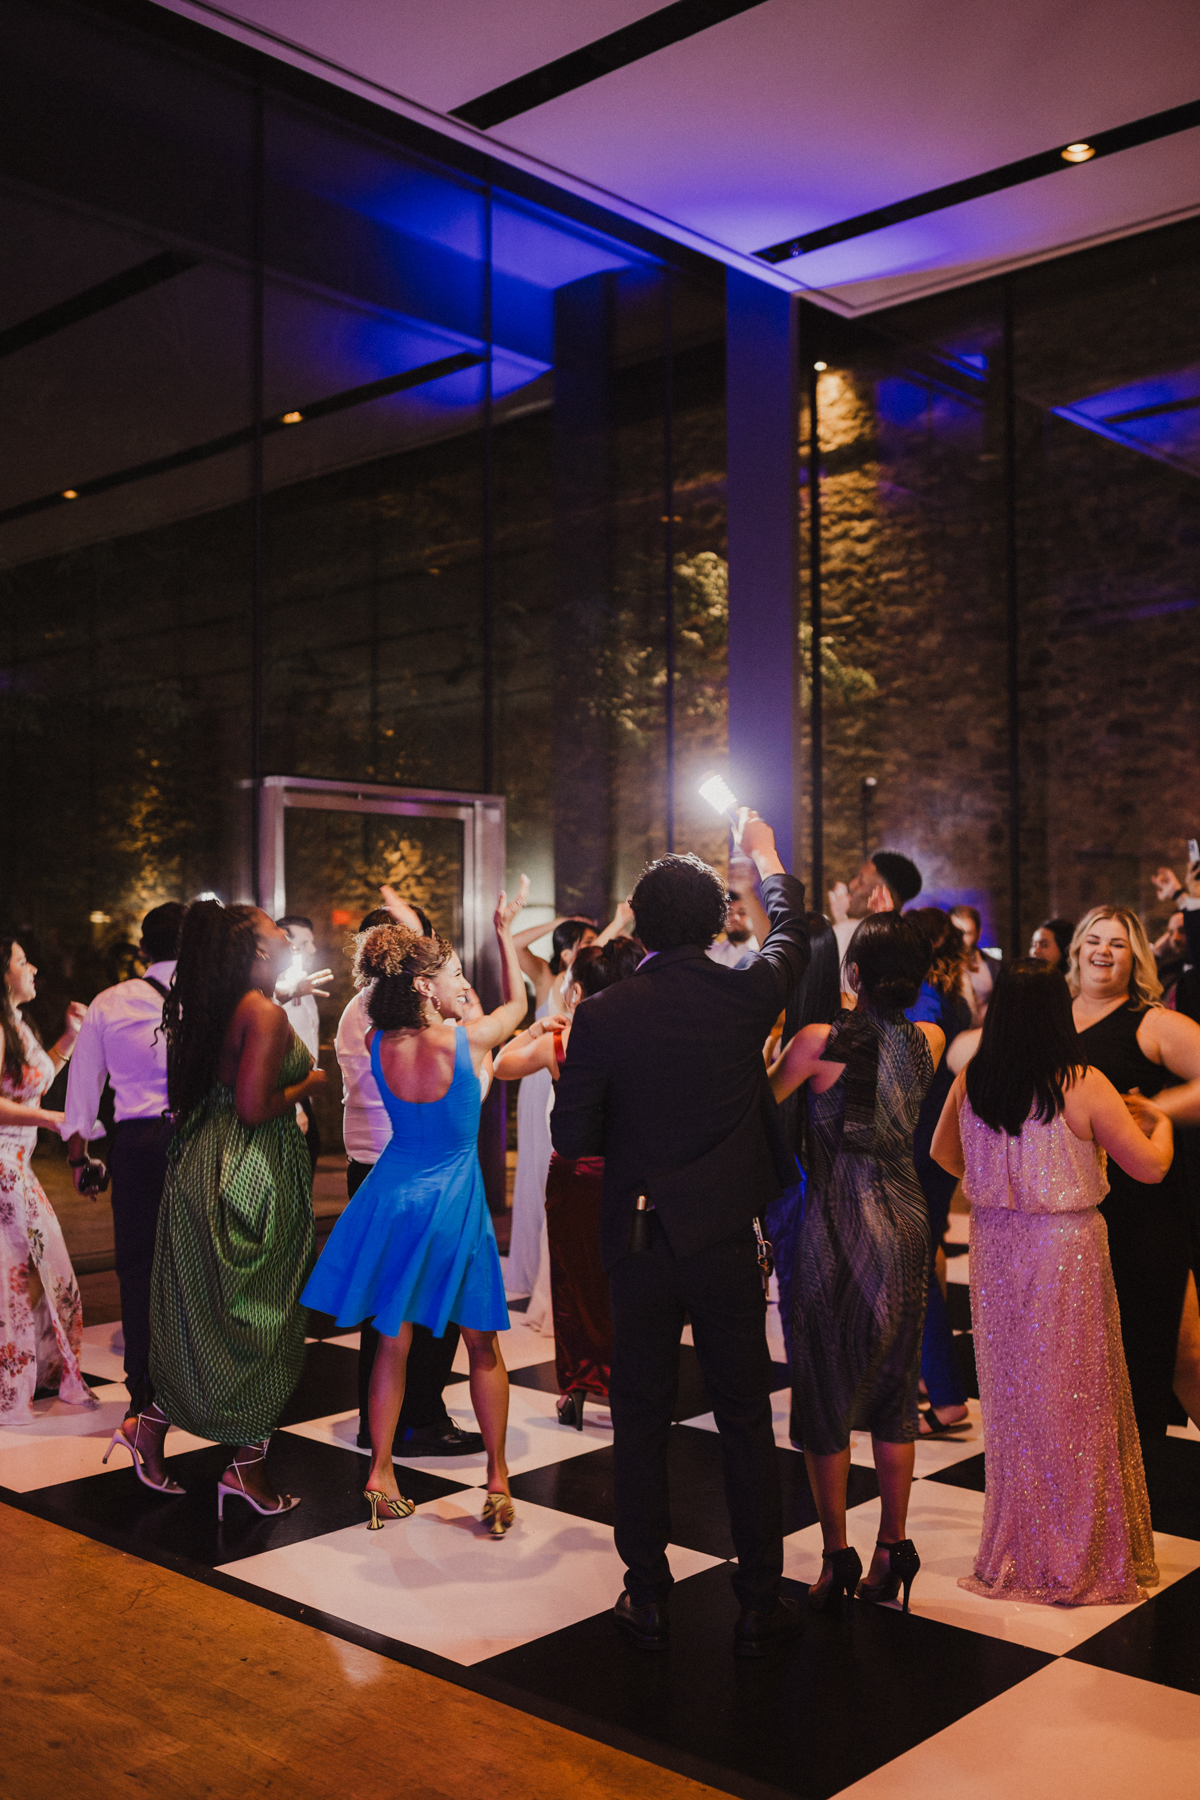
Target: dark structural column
[(583, 555), (1012, 614), (762, 486)]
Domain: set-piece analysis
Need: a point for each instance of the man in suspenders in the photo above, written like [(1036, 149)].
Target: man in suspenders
[(122, 1041)]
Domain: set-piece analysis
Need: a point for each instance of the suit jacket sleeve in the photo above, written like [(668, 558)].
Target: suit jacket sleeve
[(578, 1119), (786, 949)]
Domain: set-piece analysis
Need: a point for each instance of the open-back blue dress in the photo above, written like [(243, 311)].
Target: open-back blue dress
[(416, 1242)]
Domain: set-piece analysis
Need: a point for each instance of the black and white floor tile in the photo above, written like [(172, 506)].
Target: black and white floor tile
[(965, 1695)]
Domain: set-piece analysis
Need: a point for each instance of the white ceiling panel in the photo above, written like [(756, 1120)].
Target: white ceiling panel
[(798, 114)]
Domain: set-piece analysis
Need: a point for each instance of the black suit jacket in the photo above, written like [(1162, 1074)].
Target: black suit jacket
[(664, 1078)]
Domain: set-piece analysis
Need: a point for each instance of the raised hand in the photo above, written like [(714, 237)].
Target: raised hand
[(839, 902), (507, 910), (1166, 883), (881, 899)]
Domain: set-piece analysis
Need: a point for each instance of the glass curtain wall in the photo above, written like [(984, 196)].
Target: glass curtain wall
[(326, 459), (1008, 516)]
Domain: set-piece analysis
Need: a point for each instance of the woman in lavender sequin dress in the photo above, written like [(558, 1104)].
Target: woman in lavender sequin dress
[(1027, 1124)]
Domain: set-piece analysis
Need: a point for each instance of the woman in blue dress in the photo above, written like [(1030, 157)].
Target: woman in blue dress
[(416, 1246)]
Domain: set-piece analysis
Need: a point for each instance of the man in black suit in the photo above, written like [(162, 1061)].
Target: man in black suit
[(664, 1077)]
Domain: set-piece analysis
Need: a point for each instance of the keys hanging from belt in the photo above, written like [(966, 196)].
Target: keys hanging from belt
[(766, 1258)]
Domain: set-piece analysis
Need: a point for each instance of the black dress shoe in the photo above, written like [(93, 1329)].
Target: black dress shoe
[(757, 1633), (645, 1626)]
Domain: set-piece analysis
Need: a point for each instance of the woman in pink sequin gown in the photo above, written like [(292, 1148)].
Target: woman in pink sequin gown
[(1066, 1519)]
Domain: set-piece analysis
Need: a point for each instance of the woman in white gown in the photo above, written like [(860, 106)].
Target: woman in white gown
[(41, 1313)]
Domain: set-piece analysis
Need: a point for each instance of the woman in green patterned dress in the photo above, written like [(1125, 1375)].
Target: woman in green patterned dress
[(235, 1233)]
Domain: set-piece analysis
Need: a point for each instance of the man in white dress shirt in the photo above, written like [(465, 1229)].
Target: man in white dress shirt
[(298, 994), (121, 1041), (425, 1428)]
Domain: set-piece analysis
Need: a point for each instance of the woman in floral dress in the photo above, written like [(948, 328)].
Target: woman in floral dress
[(41, 1314)]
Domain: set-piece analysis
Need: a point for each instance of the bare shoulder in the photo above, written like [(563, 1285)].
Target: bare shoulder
[(1172, 1039), (257, 1015)]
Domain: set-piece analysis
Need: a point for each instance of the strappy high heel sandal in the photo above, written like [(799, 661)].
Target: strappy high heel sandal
[(152, 1415), (570, 1408), (845, 1570), (498, 1514), (400, 1508), (225, 1490), (903, 1563)]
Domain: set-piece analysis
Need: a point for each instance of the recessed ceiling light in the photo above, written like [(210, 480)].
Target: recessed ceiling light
[(292, 418), (1078, 153), (819, 367), (70, 494)]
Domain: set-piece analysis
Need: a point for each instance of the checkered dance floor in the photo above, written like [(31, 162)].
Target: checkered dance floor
[(966, 1696)]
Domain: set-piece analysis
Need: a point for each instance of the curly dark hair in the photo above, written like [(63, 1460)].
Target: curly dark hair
[(948, 944), (11, 1020), (598, 966), (386, 966), (891, 956), (678, 900), (217, 947)]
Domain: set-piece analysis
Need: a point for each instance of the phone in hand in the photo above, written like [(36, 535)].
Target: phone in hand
[(1193, 852)]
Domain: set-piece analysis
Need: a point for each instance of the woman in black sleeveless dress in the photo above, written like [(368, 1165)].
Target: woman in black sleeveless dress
[(1126, 1034)]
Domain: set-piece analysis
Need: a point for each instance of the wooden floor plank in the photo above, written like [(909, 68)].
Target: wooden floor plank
[(123, 1679)]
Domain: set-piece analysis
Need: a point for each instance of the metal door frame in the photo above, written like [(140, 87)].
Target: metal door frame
[(484, 850)]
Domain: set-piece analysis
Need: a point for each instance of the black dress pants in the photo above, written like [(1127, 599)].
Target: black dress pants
[(721, 1290), (138, 1165), (429, 1359)]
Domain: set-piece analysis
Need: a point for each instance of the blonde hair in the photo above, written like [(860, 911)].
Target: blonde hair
[(1145, 989)]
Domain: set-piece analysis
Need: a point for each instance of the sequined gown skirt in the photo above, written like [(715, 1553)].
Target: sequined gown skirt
[(579, 1287), (1066, 1517)]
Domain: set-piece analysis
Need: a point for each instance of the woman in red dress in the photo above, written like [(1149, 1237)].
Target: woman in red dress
[(578, 1284)]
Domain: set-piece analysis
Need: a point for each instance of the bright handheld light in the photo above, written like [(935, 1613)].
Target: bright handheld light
[(720, 796)]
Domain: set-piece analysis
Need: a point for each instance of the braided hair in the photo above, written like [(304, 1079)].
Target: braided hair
[(10, 1019), (217, 948), (387, 964)]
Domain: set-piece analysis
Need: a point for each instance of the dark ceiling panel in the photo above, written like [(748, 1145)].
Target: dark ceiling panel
[(955, 193), (669, 25)]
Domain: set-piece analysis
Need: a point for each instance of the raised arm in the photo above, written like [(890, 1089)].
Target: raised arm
[(946, 1148), (785, 949), (620, 923), (266, 1038), (484, 1034)]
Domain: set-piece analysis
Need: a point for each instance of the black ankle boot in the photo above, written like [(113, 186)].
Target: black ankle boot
[(903, 1563), (846, 1568)]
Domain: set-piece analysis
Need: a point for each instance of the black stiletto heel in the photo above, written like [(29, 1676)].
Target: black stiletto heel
[(846, 1568), (903, 1563), (570, 1408)]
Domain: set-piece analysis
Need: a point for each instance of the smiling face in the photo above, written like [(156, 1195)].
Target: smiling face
[(1176, 944), (447, 993), (1044, 947), (1105, 961), (19, 977)]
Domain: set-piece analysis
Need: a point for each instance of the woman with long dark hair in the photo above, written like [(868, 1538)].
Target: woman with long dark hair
[(235, 1232), (578, 1284), (1051, 943), (41, 1314), (816, 1000), (416, 1244), (862, 1263), (1027, 1124), (1144, 1048)]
